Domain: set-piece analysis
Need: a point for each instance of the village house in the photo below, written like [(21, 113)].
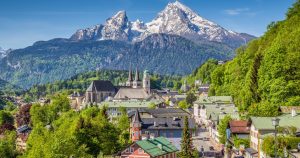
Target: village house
[(204, 106), (113, 107), (22, 136), (161, 113), (262, 126), (169, 127), (239, 129), (159, 147), (76, 100), (203, 90), (214, 120)]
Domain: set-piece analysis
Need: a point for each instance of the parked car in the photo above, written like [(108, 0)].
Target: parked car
[(211, 148)]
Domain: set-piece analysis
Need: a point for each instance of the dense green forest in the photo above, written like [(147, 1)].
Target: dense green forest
[(58, 131), (80, 82), (8, 88), (203, 72), (60, 59), (265, 74)]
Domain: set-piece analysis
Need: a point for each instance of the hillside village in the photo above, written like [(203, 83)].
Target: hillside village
[(157, 120)]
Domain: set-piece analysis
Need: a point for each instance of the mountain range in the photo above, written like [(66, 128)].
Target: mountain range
[(175, 19), (177, 41)]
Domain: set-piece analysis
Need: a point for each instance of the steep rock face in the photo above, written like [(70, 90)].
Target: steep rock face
[(180, 20), (92, 33), (116, 28), (175, 19)]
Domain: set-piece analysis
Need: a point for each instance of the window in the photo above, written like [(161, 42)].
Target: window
[(131, 149), (136, 134), (141, 151), (171, 135)]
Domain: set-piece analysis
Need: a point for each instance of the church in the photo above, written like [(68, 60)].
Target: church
[(134, 89)]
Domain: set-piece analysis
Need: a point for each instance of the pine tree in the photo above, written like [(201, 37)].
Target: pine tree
[(186, 141)]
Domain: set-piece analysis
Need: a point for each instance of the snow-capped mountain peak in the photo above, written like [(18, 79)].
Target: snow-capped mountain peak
[(175, 19), (179, 19), (3, 53), (116, 27)]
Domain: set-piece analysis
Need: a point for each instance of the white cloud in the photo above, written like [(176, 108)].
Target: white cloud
[(236, 11)]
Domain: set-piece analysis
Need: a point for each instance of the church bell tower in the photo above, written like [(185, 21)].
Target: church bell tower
[(146, 82)]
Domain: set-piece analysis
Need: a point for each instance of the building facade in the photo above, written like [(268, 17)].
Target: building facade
[(98, 91), (168, 127)]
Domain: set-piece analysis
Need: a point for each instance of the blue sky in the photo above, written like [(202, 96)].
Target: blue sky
[(22, 22)]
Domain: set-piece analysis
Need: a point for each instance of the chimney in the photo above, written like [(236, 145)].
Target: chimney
[(152, 136), (155, 124), (159, 146), (175, 118), (293, 112)]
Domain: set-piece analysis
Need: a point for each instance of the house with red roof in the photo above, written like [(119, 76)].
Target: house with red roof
[(240, 128)]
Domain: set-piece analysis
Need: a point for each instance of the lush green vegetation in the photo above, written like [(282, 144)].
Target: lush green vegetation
[(222, 128), (265, 74), (80, 83), (238, 142), (203, 72), (188, 101), (8, 145), (187, 150), (286, 140), (8, 88), (61, 132)]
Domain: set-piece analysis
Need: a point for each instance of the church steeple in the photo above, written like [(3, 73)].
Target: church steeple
[(137, 78), (137, 82), (130, 79), (130, 74), (146, 82)]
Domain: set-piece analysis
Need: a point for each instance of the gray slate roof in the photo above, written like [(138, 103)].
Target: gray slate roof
[(165, 123), (101, 85), (131, 93), (163, 112)]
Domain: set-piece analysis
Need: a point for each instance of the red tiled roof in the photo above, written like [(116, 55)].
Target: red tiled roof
[(239, 126)]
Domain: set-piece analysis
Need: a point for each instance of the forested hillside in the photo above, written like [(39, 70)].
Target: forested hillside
[(203, 72), (264, 74), (80, 82), (60, 59)]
